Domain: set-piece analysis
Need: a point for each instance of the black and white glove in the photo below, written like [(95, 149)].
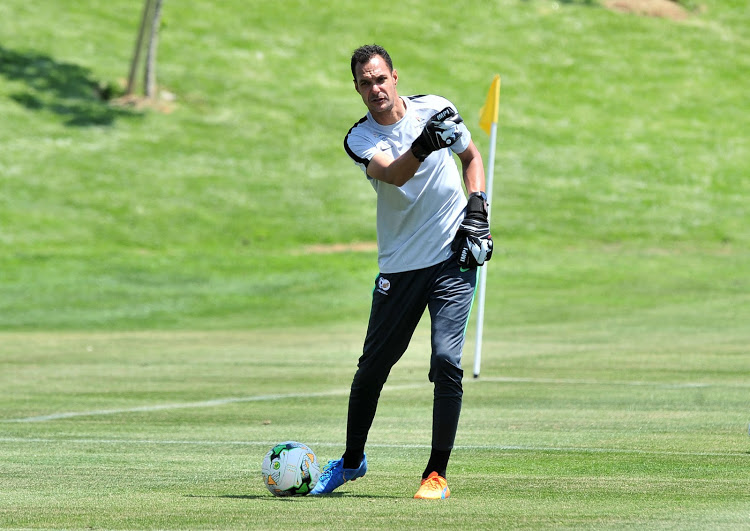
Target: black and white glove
[(473, 241), (439, 132)]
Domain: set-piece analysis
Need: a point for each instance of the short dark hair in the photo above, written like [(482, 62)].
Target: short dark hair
[(364, 53)]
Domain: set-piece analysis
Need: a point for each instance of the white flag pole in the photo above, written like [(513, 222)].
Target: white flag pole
[(483, 270)]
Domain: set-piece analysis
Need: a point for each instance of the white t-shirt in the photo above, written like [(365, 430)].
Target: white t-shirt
[(417, 222)]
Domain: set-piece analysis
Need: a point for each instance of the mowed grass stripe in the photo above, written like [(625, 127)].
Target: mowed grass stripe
[(323, 444), (338, 392)]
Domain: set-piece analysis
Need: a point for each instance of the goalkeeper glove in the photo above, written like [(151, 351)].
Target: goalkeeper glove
[(440, 131), (473, 241)]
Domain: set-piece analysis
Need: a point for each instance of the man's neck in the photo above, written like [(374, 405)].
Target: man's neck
[(392, 116)]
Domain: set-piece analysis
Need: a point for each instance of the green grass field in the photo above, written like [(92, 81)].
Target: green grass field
[(167, 430), (180, 290)]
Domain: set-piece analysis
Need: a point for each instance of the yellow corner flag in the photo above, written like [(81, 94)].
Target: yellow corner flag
[(488, 113), (487, 118)]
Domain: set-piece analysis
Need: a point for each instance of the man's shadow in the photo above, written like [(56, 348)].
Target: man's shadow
[(65, 89)]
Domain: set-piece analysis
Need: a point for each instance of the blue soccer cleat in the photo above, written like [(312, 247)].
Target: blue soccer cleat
[(334, 475)]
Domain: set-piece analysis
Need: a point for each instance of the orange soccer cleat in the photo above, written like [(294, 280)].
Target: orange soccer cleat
[(433, 487)]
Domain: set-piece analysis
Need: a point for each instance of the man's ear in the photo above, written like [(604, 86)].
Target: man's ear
[(395, 77)]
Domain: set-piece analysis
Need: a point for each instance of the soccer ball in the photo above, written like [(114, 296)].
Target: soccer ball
[(290, 469)]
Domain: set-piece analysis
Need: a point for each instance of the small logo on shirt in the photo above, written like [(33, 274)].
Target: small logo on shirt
[(383, 285)]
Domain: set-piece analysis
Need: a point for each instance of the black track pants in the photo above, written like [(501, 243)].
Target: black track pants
[(399, 301)]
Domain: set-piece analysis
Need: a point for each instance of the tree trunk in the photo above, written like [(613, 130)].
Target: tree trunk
[(153, 44), (138, 48)]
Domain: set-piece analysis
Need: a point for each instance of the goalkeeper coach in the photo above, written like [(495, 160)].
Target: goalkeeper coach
[(431, 240)]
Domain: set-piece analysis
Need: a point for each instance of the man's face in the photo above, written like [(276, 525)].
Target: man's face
[(377, 85)]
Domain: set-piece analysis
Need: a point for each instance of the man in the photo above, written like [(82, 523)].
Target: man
[(430, 242)]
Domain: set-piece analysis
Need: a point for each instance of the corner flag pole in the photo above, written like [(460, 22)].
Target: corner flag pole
[(488, 122)]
